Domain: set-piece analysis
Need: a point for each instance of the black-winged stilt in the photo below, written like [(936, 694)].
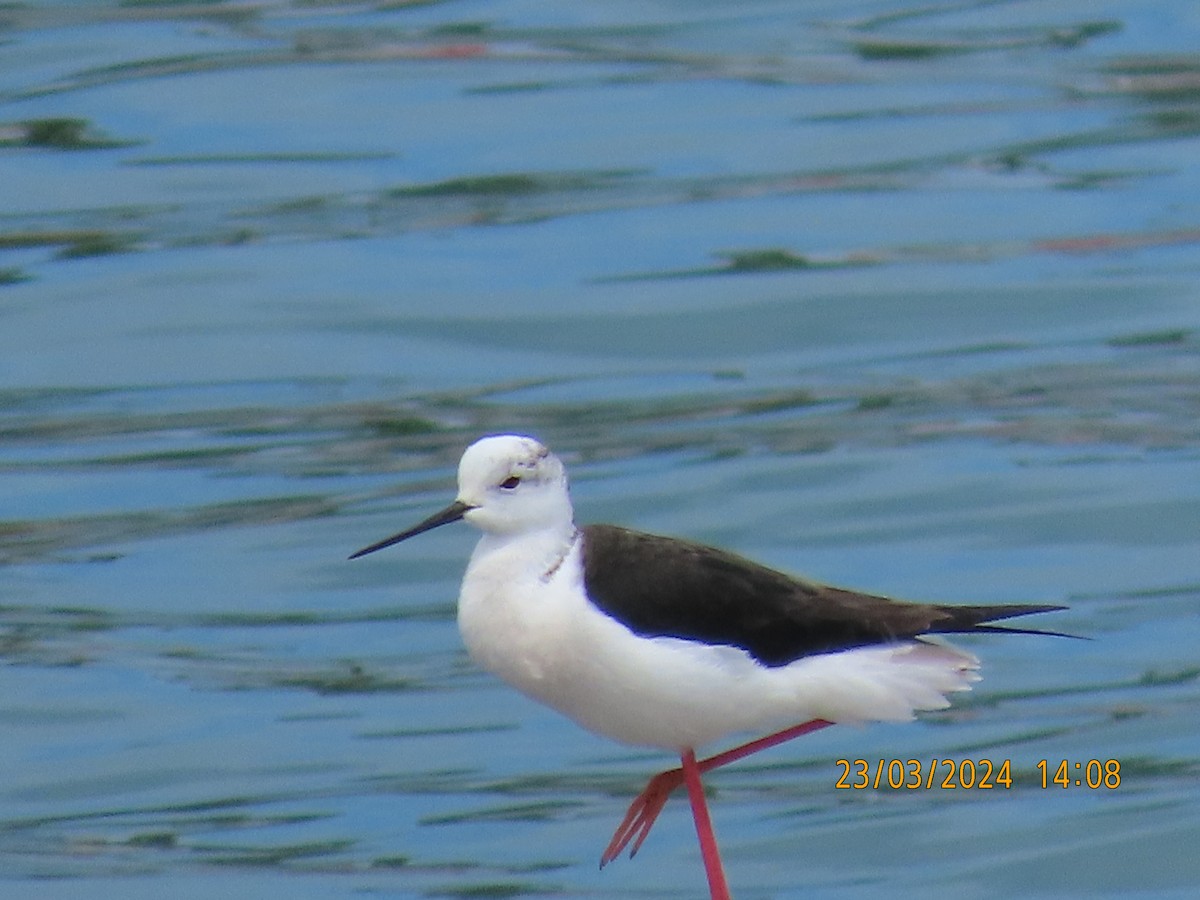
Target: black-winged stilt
[(664, 643)]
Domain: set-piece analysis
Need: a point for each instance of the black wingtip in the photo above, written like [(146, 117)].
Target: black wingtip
[(996, 613), (1002, 629), (993, 613)]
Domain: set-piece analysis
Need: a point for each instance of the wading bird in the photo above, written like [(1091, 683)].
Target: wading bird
[(659, 642)]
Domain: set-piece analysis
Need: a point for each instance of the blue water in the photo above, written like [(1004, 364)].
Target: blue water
[(899, 296)]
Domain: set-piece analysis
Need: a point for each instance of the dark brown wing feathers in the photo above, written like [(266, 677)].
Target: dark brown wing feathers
[(662, 587)]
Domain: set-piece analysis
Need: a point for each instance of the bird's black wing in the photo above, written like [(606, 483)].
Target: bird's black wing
[(663, 587)]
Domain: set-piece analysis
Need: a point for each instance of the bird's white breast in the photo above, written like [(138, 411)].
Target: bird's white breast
[(513, 612)]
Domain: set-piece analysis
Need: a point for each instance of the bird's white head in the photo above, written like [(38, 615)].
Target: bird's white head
[(512, 484), (507, 484)]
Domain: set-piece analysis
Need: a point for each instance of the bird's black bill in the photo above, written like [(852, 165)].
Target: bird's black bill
[(451, 513)]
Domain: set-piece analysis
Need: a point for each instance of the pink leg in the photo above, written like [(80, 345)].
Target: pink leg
[(715, 872), (649, 803)]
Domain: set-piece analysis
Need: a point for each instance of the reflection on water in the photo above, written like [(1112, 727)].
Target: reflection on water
[(897, 297)]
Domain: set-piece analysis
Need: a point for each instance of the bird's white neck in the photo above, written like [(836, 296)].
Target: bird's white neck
[(541, 551)]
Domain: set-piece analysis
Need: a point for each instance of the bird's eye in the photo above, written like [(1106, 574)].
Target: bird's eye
[(510, 482)]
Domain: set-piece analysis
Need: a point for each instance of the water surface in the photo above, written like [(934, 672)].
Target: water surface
[(899, 296)]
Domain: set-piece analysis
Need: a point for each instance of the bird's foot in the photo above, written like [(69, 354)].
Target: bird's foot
[(643, 812)]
